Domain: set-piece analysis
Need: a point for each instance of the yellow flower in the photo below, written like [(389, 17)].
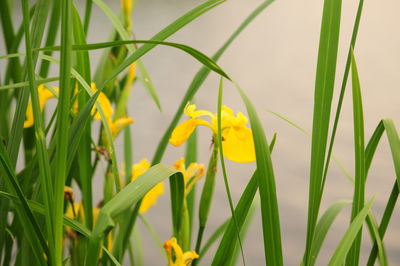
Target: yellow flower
[(44, 95), (237, 138), (115, 126), (150, 198), (176, 257), (191, 174)]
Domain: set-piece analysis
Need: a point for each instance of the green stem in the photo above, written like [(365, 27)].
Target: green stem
[(206, 195)]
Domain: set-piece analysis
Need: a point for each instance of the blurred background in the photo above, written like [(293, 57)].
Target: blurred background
[(274, 61)]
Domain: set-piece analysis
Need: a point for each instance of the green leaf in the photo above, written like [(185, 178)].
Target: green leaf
[(202, 58), (84, 154), (324, 85), (266, 183), (359, 186), (62, 125), (224, 172), (343, 248), (229, 240)]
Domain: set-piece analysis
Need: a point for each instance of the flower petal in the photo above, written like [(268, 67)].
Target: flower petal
[(238, 144), (150, 198), (183, 131)]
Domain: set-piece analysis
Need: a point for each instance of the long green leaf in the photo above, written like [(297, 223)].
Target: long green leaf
[(343, 248), (266, 183), (62, 125), (324, 84), (202, 58), (359, 186), (224, 172), (84, 155)]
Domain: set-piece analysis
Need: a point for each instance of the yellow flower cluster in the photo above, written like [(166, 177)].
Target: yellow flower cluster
[(176, 257), (237, 138), (115, 125)]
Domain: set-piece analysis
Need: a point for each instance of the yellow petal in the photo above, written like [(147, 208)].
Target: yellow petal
[(130, 77), (140, 168), (238, 145), (104, 103), (151, 197), (184, 130), (190, 110), (180, 166), (189, 256), (29, 120), (119, 124), (176, 257), (44, 95), (126, 7)]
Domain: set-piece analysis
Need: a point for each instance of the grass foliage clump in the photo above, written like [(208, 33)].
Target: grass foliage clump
[(43, 223)]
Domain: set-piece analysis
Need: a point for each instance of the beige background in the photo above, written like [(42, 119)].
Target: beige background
[(274, 60)]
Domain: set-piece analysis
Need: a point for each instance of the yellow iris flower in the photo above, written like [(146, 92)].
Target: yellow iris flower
[(44, 95), (191, 174), (176, 257), (150, 198), (237, 138)]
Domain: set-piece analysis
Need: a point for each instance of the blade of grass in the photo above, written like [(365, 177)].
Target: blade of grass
[(267, 189), (213, 238), (343, 88), (26, 83), (202, 58), (88, 12), (224, 172), (191, 157), (359, 187), (154, 235), (52, 31), (62, 125), (387, 214), (345, 244), (324, 84), (84, 154), (376, 238)]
